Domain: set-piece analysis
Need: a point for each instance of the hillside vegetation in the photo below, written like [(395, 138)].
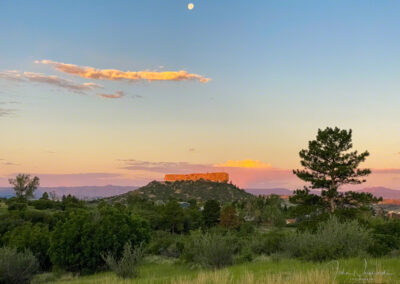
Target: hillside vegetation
[(200, 190)]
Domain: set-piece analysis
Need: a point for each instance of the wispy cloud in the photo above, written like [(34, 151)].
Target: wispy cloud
[(6, 112), (49, 80), (165, 167), (7, 163), (115, 74), (116, 95), (9, 102), (10, 164), (11, 75), (386, 171)]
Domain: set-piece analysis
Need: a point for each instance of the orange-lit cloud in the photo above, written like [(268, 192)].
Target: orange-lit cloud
[(254, 164), (116, 95), (49, 80), (114, 74)]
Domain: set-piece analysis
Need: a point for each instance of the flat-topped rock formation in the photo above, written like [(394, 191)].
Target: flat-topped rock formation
[(215, 177)]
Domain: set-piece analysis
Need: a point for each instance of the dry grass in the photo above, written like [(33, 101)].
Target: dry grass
[(224, 277), (356, 271)]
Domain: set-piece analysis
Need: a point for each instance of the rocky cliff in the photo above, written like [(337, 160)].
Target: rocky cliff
[(215, 177)]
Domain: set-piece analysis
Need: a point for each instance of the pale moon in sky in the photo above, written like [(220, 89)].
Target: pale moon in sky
[(190, 6)]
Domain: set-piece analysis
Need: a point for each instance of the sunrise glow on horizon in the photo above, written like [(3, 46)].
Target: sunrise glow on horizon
[(98, 94)]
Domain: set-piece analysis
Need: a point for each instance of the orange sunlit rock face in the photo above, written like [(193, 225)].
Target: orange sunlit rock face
[(390, 201), (216, 177)]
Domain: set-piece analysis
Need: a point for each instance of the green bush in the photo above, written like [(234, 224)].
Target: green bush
[(36, 238), (246, 229), (127, 266), (43, 204), (17, 206), (245, 255), (16, 267), (8, 222), (37, 216), (268, 243), (332, 240), (386, 236), (209, 250), (165, 244), (78, 243)]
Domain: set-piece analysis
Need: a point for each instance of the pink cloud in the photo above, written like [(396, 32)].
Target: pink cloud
[(386, 171), (49, 80), (116, 95)]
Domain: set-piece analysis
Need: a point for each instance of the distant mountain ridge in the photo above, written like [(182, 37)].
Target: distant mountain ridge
[(269, 191), (82, 192), (384, 192), (277, 191)]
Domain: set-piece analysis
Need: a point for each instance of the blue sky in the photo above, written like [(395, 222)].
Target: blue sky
[(279, 70)]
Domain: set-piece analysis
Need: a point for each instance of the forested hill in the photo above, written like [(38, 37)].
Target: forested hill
[(186, 190)]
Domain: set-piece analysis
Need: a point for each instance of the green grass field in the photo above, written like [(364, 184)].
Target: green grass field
[(263, 270)]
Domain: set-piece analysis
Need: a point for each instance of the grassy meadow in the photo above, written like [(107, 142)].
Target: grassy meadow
[(262, 270)]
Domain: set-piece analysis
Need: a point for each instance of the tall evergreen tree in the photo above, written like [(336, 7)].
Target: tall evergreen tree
[(211, 213), (328, 164)]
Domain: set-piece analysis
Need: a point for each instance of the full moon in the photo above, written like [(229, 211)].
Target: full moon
[(190, 6)]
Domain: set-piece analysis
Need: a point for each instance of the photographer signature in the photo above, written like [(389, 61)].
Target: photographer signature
[(365, 275)]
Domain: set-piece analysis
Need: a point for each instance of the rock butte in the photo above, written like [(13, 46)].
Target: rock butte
[(216, 177)]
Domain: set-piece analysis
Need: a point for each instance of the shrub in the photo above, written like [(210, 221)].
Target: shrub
[(165, 244), (43, 204), (16, 267), (127, 266), (17, 206), (386, 237), (245, 255), (78, 243), (246, 229), (36, 238), (37, 216), (209, 250), (268, 243), (8, 222), (332, 240)]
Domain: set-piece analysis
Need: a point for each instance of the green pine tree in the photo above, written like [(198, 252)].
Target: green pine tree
[(328, 164)]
